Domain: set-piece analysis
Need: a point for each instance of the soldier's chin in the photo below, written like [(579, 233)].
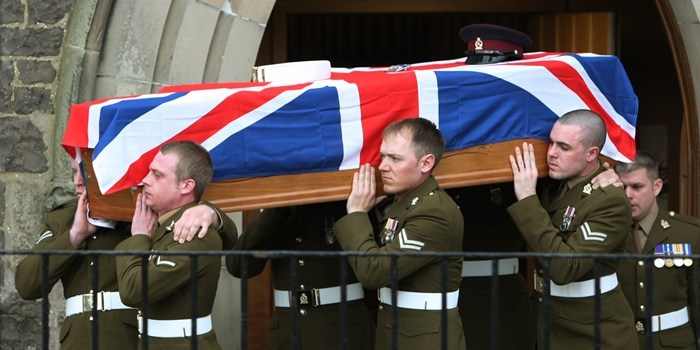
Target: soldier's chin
[(388, 190), (556, 175)]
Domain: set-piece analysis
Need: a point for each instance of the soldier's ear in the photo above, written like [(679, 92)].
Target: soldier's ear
[(657, 185), (427, 162), (187, 186)]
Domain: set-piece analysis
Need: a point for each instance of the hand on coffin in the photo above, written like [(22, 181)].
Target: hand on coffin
[(524, 171)]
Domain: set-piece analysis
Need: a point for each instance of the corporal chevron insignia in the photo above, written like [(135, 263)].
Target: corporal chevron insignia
[(161, 261), (44, 236), (406, 243), (589, 235)]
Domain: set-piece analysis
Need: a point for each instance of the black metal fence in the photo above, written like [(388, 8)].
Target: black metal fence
[(544, 259)]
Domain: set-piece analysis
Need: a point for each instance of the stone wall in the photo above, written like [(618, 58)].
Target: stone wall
[(31, 37)]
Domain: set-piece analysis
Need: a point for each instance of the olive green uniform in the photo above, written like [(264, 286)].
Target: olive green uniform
[(169, 280), (427, 220), (117, 329), (599, 224), (305, 228), (673, 288), (489, 228)]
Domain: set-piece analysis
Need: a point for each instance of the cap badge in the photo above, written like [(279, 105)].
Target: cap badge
[(414, 201), (171, 226), (665, 224), (478, 44), (587, 189)]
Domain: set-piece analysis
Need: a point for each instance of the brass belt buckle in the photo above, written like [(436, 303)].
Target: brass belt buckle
[(306, 297), (640, 326), (86, 302)]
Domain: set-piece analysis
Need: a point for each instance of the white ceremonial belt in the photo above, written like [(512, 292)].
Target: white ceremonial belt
[(175, 328), (483, 268), (580, 289), (318, 296), (419, 301), (669, 320), (106, 301)]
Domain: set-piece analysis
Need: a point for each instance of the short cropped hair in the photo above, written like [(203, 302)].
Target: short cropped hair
[(425, 137), (643, 160), (194, 162), (591, 123)]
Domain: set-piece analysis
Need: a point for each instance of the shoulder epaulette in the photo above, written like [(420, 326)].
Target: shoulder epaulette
[(684, 218)]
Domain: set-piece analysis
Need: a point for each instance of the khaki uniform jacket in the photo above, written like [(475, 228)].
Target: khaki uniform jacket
[(117, 328), (305, 228), (428, 221), (600, 224), (672, 287), (169, 280), (489, 228)]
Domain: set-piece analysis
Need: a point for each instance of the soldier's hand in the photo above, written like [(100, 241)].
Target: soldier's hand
[(524, 171), (81, 228), (144, 221), (606, 178), (364, 188), (195, 221)]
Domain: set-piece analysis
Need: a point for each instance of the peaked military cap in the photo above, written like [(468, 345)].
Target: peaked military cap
[(488, 43)]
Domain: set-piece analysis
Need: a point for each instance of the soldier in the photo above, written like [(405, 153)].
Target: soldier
[(418, 216), (68, 227), (317, 291), (674, 281), (575, 218), (178, 175)]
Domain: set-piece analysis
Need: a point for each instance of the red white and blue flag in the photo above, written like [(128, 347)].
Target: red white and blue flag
[(262, 129)]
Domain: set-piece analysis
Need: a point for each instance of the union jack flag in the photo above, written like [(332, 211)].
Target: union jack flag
[(261, 129)]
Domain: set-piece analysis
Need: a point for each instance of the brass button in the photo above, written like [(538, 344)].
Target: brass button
[(641, 284), (302, 312), (642, 308), (640, 263), (301, 262), (299, 240)]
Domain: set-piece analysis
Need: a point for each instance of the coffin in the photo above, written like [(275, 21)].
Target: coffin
[(291, 143)]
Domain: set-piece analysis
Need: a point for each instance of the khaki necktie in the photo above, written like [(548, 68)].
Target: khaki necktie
[(636, 233)]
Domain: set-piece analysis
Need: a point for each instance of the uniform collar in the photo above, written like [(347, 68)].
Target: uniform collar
[(412, 197), (647, 223)]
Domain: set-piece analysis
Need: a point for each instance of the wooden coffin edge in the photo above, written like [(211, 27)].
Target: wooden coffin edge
[(485, 164)]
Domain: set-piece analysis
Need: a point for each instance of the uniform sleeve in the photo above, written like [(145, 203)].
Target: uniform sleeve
[(426, 229), (601, 229), (694, 286), (166, 273), (228, 231), (55, 236), (260, 235)]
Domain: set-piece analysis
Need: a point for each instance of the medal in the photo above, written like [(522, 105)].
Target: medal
[(659, 263), (568, 216), (669, 262), (688, 262), (389, 230)]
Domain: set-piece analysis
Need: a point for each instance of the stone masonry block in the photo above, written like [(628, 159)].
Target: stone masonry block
[(35, 42), (217, 4), (192, 44), (28, 100), (133, 38), (7, 74), (11, 11), (32, 72), (48, 11), (2, 204), (256, 10), (23, 148), (241, 50)]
